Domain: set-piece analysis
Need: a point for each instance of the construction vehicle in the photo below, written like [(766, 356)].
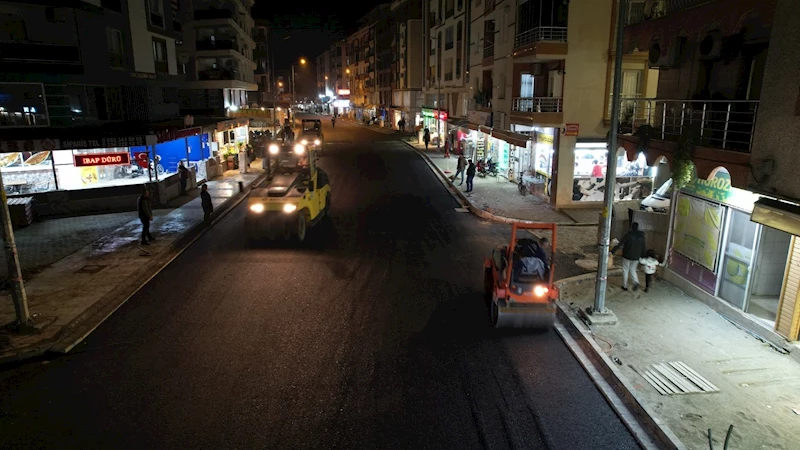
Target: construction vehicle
[(295, 197), (311, 134), (516, 297)]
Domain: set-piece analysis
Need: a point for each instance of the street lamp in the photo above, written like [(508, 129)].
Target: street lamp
[(294, 92)]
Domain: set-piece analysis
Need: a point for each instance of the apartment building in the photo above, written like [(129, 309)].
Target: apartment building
[(446, 90), (407, 63), (324, 74), (263, 73), (217, 56), (727, 93), (86, 63), (541, 79)]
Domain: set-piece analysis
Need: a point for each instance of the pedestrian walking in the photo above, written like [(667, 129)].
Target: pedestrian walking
[(426, 137), (649, 264), (446, 148), (145, 210), (183, 177), (460, 166), (205, 202), (470, 175), (633, 248)]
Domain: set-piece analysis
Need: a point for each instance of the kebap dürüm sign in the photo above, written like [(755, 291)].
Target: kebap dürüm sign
[(103, 159)]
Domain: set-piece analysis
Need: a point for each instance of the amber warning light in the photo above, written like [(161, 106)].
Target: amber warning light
[(103, 159)]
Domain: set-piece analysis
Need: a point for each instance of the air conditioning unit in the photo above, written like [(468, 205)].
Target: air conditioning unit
[(661, 57), (711, 46)]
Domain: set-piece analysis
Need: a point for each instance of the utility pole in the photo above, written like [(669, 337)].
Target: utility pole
[(599, 307), (18, 296)]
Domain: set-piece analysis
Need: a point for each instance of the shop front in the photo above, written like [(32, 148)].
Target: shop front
[(230, 137), (437, 127), (634, 179), (341, 105), (537, 158), (720, 247)]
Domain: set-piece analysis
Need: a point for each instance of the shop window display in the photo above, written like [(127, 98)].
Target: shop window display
[(27, 172), (634, 179)]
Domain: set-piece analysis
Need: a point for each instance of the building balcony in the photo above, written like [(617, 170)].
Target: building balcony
[(36, 52), (488, 53), (207, 44), (537, 110), (724, 131), (541, 41)]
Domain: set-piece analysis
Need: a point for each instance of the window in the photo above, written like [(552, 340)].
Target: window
[(459, 48), (448, 69), (160, 55), (116, 48), (449, 8), (156, 9), (448, 38)]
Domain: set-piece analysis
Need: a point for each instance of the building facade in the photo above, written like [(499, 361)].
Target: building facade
[(217, 56), (263, 72), (446, 89), (405, 76), (727, 95), (324, 72)]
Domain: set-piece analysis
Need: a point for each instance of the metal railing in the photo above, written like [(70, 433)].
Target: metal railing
[(640, 10), (724, 124), (538, 104), (622, 111), (488, 51), (541, 34)]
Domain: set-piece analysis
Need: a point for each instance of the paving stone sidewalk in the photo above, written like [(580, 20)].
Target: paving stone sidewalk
[(759, 387), (498, 196), (72, 285)]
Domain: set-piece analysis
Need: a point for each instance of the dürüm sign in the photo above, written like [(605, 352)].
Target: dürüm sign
[(103, 159)]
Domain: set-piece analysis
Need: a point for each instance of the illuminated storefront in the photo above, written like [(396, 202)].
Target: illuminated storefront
[(435, 126), (720, 247), (537, 158), (634, 179)]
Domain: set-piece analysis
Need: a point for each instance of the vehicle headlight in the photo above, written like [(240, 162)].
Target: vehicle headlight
[(273, 149), (317, 142), (299, 149), (304, 142), (257, 207), (539, 291), (289, 207)]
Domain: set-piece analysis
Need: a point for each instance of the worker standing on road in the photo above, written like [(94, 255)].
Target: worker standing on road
[(333, 121), (145, 210), (205, 202), (470, 175), (633, 248), (426, 137)]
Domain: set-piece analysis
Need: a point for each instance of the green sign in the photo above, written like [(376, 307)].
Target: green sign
[(717, 188)]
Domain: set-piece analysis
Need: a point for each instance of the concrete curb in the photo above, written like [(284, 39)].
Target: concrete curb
[(85, 323), (645, 425), (466, 203)]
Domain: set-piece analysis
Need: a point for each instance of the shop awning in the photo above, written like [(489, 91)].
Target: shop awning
[(512, 138), (777, 214), (459, 123)]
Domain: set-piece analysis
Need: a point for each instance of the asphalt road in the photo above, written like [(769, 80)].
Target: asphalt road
[(371, 336)]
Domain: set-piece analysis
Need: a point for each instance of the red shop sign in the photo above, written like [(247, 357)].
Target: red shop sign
[(103, 159), (572, 129)]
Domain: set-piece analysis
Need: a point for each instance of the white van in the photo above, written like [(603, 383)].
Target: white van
[(659, 200)]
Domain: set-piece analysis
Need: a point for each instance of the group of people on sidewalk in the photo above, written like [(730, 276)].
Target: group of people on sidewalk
[(144, 209), (635, 252), (463, 166)]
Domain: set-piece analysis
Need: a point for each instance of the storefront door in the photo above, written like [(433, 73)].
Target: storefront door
[(737, 258), (768, 271)]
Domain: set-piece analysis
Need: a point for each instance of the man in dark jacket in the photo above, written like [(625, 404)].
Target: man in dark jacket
[(145, 211), (633, 247), (183, 177), (470, 175), (205, 201)]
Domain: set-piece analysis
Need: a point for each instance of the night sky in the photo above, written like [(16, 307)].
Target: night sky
[(306, 29)]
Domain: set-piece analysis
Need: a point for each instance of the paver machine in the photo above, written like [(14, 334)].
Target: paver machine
[(518, 280)]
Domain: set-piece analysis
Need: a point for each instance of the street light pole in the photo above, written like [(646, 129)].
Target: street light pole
[(18, 295), (599, 307)]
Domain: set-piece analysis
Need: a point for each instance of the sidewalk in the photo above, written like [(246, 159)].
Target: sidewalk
[(759, 387), (76, 293), (501, 198)]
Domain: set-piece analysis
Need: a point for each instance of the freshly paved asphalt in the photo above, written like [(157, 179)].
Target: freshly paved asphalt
[(372, 336)]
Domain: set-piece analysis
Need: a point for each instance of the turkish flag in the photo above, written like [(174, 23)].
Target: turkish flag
[(141, 159)]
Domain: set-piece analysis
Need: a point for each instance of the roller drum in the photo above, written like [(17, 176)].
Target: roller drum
[(536, 316)]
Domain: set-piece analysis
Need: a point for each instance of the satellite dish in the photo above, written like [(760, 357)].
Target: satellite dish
[(188, 121)]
